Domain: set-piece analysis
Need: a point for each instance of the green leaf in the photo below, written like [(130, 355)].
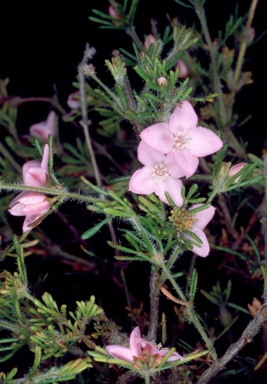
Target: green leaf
[(92, 231)]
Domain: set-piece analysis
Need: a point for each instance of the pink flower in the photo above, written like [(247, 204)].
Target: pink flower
[(35, 173), (201, 219), (182, 138), (45, 128), (160, 174), (235, 169), (137, 346), (73, 101), (32, 205)]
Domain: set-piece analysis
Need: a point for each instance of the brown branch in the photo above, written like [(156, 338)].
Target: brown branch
[(246, 337)]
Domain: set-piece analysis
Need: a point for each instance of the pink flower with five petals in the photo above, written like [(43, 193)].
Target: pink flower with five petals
[(182, 138), (159, 175), (137, 345)]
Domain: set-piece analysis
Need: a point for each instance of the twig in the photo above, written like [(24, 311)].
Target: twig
[(251, 330), (154, 305)]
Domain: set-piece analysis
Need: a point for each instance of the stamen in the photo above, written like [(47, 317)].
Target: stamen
[(182, 219), (160, 171)]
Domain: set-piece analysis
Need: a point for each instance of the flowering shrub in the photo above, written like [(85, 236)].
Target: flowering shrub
[(161, 178)]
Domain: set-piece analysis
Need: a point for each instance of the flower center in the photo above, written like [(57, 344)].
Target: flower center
[(180, 141), (182, 219), (160, 171)]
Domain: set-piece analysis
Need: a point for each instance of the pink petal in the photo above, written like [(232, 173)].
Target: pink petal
[(51, 123), (44, 128), (120, 352), (235, 169), (148, 155), (175, 356), (142, 181), (203, 217), (17, 210), (204, 248), (173, 168), (29, 219), (37, 209), (152, 349), (186, 162), (183, 118), (32, 198), (134, 342), (173, 187), (159, 137), (35, 177), (29, 165), (204, 142), (45, 159)]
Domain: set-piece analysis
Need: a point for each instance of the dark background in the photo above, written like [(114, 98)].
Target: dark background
[(42, 44)]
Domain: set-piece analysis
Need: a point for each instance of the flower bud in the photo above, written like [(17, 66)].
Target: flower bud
[(162, 81), (234, 170), (73, 101), (150, 39), (183, 69)]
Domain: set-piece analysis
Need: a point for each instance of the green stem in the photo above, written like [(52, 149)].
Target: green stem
[(48, 191), (169, 265), (85, 124), (131, 32), (216, 80), (147, 378), (191, 312), (243, 46), (195, 321), (173, 282)]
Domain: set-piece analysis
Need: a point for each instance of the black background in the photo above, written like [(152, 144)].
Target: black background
[(42, 44)]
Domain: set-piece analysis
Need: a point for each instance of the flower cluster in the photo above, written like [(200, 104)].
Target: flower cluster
[(170, 151), (142, 354), (33, 205)]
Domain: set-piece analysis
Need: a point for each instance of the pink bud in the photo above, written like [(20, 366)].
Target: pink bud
[(113, 12), (183, 69), (235, 169), (45, 128), (73, 101), (150, 39)]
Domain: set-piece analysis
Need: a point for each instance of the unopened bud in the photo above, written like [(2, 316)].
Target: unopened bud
[(183, 69), (162, 81), (235, 169), (114, 12), (150, 39)]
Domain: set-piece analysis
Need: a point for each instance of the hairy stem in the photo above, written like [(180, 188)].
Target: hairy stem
[(154, 305)]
